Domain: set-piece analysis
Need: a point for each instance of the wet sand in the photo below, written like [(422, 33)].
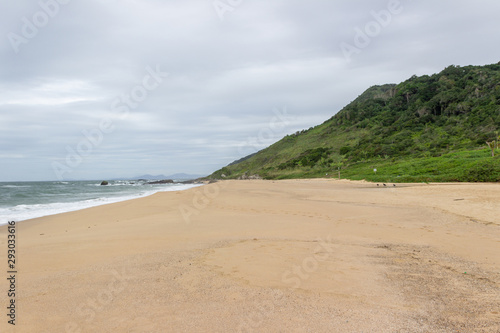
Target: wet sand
[(266, 256)]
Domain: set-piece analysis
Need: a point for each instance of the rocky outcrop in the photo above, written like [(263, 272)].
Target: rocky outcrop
[(104, 183), (165, 181)]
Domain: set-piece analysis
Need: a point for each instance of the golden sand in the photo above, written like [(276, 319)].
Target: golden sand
[(265, 256)]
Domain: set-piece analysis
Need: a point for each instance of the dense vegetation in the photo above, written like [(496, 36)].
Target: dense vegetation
[(429, 128)]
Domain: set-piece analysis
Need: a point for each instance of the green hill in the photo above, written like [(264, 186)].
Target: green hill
[(428, 128)]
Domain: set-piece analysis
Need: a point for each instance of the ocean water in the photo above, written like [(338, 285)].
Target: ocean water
[(26, 200)]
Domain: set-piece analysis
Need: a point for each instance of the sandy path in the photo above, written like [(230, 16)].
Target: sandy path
[(263, 256)]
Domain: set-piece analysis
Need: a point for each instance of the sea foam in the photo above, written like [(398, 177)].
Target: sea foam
[(25, 212)]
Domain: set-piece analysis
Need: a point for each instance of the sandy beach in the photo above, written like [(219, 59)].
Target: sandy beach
[(265, 256)]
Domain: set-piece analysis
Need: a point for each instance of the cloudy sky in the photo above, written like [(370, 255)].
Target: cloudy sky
[(105, 89)]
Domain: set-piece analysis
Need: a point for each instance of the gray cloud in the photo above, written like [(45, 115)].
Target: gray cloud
[(225, 76)]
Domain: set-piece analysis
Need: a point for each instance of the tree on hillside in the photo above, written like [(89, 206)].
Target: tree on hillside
[(340, 163), (494, 144)]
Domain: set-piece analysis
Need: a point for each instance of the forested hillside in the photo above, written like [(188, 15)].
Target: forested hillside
[(423, 119)]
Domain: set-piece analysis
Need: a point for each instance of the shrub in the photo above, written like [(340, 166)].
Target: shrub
[(345, 150), (486, 171)]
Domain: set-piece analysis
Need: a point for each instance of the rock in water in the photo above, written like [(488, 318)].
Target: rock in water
[(165, 181), (104, 182)]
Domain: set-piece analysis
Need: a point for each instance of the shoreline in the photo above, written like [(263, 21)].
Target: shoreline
[(264, 255), (55, 208), (195, 185)]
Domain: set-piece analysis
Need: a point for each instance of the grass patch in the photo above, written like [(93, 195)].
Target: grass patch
[(465, 166)]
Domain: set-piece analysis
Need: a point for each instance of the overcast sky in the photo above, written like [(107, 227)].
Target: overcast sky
[(106, 89)]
